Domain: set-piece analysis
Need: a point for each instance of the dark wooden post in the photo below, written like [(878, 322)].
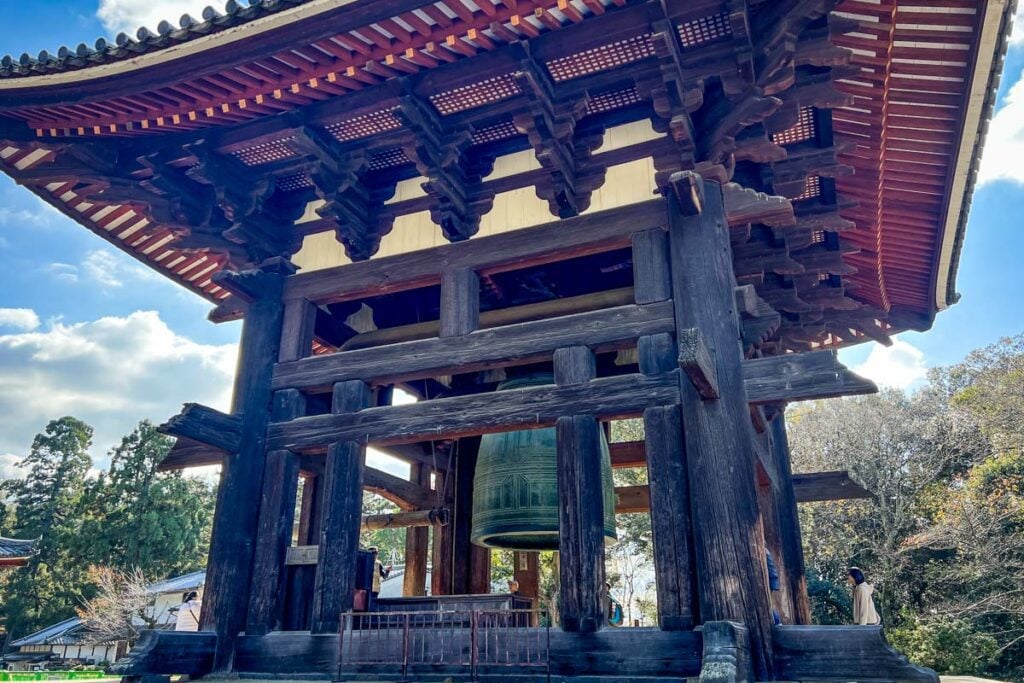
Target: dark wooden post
[(789, 523), (732, 577), (526, 571), (300, 585), (342, 516), (442, 550), (581, 503), (674, 569), (471, 568), (277, 516), (229, 565), (280, 481), (766, 503), (417, 540)]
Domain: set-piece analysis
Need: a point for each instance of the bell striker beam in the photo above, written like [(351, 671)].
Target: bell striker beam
[(233, 538), (731, 573), (789, 522), (581, 502)]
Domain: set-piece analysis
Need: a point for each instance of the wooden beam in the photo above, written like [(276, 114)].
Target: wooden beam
[(820, 486), (697, 363), (789, 521), (842, 653), (301, 555), (580, 236), (199, 424), (801, 377), (492, 348), (405, 494), (628, 454), (608, 398)]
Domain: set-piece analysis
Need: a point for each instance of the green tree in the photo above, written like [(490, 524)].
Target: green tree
[(47, 502), (140, 519)]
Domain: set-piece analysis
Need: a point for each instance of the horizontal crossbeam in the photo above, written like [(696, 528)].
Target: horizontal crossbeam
[(496, 347)]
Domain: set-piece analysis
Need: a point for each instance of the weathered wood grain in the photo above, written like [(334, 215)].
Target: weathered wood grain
[(819, 486), (672, 536), (801, 377), (720, 459), (460, 302), (495, 347), (406, 494), (205, 425), (842, 653), (789, 521), (697, 363), (609, 397), (339, 530), (651, 280), (168, 652)]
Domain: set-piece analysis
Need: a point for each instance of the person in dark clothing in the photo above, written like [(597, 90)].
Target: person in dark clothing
[(774, 585)]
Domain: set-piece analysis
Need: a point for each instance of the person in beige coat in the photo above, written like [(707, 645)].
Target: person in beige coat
[(864, 613)]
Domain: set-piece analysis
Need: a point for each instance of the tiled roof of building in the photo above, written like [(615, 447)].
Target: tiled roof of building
[(126, 47), (14, 549)]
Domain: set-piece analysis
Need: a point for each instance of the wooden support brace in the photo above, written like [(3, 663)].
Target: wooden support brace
[(207, 426), (697, 363), (746, 301), (460, 302)]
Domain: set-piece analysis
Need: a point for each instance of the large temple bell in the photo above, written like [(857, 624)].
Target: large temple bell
[(515, 489)]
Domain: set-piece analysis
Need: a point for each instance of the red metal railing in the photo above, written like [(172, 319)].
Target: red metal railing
[(475, 642)]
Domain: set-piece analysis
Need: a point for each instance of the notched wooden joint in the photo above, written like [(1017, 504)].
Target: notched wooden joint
[(697, 363), (689, 190)]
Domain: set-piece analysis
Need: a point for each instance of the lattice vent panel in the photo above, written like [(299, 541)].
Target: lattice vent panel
[(294, 182), (705, 30), (812, 188), (601, 58), (364, 126), (804, 129), (612, 99), (265, 153), (502, 130), (476, 95), (388, 158)]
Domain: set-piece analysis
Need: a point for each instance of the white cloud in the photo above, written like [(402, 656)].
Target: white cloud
[(112, 269), (111, 373), (19, 318), (9, 466), (1004, 145), (898, 366), (1017, 36), (129, 15), (63, 271)]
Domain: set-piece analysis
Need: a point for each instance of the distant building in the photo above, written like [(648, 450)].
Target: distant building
[(69, 643), (15, 553)]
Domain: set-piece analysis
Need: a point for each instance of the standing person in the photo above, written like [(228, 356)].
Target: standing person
[(864, 613), (380, 572), (188, 612)]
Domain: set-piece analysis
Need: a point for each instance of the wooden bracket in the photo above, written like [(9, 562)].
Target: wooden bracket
[(697, 363), (206, 425), (689, 189), (746, 301)]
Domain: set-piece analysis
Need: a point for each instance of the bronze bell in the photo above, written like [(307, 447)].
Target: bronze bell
[(515, 488)]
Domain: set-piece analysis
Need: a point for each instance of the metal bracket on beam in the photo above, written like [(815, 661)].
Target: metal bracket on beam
[(697, 363)]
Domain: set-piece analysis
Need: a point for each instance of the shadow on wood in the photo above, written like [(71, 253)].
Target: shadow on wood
[(842, 653), (169, 652)]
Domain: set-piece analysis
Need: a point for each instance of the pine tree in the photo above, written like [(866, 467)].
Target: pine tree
[(47, 502)]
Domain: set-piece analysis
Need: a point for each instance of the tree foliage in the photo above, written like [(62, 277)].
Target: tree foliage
[(943, 536), (127, 521)]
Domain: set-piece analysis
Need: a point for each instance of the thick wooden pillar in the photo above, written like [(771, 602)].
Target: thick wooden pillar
[(342, 516), (277, 516), (526, 571), (789, 523), (280, 481), (766, 502), (471, 568), (235, 523), (672, 535), (581, 503), (417, 540), (732, 577), (442, 549)]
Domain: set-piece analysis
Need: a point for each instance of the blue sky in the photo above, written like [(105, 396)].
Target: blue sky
[(86, 330)]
